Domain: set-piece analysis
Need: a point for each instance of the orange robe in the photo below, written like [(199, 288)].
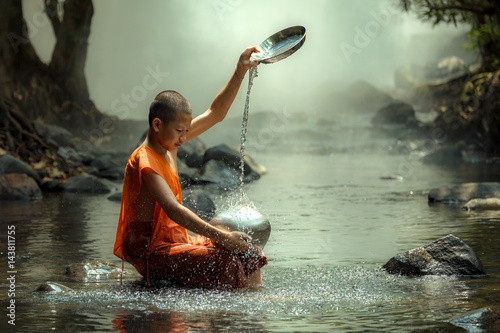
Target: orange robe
[(166, 250)]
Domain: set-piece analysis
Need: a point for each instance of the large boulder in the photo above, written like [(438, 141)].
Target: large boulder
[(446, 256), (445, 156), (14, 186), (199, 203), (482, 320), (446, 69), (192, 153), (396, 113), (364, 96), (409, 76), (187, 175), (232, 159), (10, 164), (412, 75), (456, 193), (58, 136), (217, 172), (86, 184)]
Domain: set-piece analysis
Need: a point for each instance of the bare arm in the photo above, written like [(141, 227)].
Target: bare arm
[(162, 193), (222, 102)]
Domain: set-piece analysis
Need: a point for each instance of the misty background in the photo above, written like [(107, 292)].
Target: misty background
[(198, 44)]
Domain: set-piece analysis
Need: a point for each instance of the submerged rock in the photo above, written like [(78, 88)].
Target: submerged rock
[(446, 256), (483, 204), (95, 270), (455, 193), (486, 319), (15, 186), (53, 287)]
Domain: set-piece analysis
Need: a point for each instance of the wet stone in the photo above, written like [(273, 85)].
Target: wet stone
[(482, 320), (191, 153), (10, 164), (448, 256), (86, 184), (455, 193), (115, 197), (95, 270), (200, 203), (483, 204), (53, 287), (15, 186)]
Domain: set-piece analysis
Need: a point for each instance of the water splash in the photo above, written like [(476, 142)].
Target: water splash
[(243, 139)]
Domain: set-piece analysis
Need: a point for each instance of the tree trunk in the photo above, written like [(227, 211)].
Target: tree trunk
[(70, 52), (57, 93), (31, 90), (16, 52)]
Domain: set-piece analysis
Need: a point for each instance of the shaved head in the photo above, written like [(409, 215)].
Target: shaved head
[(167, 105)]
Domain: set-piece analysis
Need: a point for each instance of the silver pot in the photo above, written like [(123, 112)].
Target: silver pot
[(247, 220), (280, 45)]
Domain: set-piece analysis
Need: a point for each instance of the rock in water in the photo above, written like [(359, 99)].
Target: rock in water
[(10, 164), (192, 153), (446, 256), (455, 193), (53, 287), (95, 270), (485, 319), (200, 203), (483, 204), (86, 184), (396, 113), (15, 186)]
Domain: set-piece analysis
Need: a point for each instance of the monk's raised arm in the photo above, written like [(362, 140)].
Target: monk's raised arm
[(222, 102), (181, 215)]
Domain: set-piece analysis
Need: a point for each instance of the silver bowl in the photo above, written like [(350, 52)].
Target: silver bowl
[(280, 45), (247, 220)]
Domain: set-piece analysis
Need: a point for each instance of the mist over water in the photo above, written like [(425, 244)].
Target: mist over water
[(137, 49), (334, 220)]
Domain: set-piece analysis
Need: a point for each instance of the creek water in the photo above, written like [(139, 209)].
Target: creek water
[(334, 221)]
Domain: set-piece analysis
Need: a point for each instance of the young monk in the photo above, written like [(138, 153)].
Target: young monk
[(152, 227)]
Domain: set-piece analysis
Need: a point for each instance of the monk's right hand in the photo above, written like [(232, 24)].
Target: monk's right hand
[(237, 242)]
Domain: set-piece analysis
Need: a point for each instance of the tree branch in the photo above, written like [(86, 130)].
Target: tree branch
[(476, 9)]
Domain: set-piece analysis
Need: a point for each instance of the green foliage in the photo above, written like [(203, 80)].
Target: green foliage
[(483, 16)]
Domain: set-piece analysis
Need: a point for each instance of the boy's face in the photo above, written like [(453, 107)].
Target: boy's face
[(173, 134)]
